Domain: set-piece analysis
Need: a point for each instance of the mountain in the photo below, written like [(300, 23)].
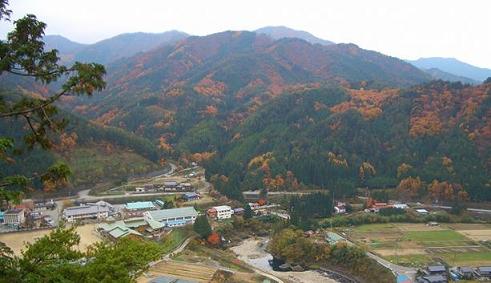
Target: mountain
[(171, 91), (438, 74), (111, 49), (126, 45), (66, 48), (453, 66), (279, 32)]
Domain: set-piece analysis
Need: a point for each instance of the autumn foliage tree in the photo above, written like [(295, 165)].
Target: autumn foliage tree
[(214, 239), (365, 171), (445, 191), (410, 188)]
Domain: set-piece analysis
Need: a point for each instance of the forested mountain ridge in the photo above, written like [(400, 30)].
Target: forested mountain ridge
[(225, 77), (285, 113), (341, 139)]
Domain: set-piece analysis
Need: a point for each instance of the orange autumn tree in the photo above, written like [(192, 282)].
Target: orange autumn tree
[(214, 239), (202, 156), (163, 145)]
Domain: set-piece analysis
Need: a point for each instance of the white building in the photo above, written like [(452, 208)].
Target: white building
[(98, 210), (14, 217), (400, 205), (172, 217), (223, 212), (139, 190)]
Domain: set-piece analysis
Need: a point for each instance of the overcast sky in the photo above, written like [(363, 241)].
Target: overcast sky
[(407, 29)]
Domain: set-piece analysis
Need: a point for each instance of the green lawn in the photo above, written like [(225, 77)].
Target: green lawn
[(376, 228)]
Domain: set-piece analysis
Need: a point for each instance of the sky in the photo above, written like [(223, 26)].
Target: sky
[(407, 29)]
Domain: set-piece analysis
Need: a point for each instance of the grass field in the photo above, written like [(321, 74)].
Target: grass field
[(419, 244)]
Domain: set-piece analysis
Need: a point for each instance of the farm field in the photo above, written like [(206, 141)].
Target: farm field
[(419, 244), (17, 240)]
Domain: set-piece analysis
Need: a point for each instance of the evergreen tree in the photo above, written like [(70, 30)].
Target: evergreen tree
[(202, 227), (22, 54), (247, 212)]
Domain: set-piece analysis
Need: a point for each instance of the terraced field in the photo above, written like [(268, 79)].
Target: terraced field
[(185, 270)]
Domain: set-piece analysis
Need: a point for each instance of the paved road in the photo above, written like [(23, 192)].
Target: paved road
[(478, 210), (84, 194)]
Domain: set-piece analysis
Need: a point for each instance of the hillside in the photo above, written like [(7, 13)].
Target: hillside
[(171, 93), (453, 66), (328, 137), (96, 154), (438, 74), (279, 32)]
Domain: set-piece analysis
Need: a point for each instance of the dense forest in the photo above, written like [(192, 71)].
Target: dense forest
[(430, 140)]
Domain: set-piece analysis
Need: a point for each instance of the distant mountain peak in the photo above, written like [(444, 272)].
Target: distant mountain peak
[(453, 66), (61, 43), (279, 32)]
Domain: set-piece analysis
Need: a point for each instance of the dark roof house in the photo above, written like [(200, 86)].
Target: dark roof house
[(436, 269)]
